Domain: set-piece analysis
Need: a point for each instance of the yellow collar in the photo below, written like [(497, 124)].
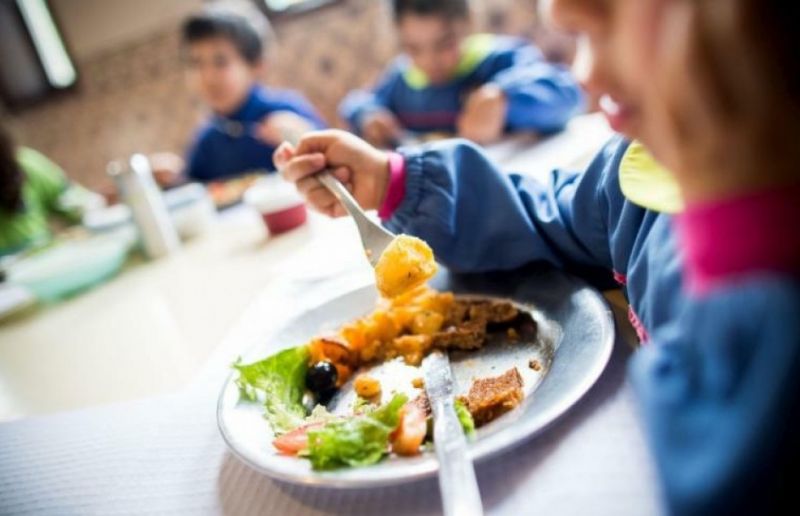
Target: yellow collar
[(473, 51), (646, 183)]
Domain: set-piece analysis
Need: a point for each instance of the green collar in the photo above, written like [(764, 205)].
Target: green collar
[(473, 51), (647, 183)]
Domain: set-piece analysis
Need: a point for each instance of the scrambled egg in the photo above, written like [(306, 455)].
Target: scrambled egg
[(400, 327), (405, 320), (406, 263)]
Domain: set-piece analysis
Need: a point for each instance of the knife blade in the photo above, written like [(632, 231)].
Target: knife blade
[(457, 482)]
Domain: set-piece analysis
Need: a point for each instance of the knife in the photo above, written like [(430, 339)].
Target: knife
[(457, 482)]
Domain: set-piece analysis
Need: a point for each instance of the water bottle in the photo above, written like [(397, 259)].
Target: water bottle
[(138, 189)]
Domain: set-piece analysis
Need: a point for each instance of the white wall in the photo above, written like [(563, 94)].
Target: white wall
[(93, 26)]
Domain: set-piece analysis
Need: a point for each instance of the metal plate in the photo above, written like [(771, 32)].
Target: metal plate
[(574, 343)]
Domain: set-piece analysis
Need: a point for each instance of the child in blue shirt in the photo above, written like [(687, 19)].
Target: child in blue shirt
[(706, 251), (479, 86), (224, 53)]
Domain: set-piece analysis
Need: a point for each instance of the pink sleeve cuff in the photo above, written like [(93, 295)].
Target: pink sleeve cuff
[(756, 232), (396, 190)]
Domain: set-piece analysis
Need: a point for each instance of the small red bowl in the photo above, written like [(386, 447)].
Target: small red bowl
[(285, 220), (279, 204)]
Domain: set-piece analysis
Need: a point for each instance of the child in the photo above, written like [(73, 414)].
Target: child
[(718, 380), (32, 189), (721, 392), (479, 86), (224, 54)]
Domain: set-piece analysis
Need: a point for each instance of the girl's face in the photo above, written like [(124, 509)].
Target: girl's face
[(707, 155), (654, 63), (695, 83), (614, 37)]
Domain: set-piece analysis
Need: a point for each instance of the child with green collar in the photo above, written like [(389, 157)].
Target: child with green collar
[(479, 86)]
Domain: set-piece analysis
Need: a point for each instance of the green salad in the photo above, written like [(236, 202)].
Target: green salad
[(281, 381)]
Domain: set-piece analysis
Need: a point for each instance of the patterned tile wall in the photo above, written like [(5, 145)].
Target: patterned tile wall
[(133, 98)]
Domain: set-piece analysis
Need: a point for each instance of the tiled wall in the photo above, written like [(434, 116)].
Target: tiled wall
[(133, 98)]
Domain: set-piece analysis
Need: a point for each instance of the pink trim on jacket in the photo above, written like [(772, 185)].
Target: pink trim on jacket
[(641, 331), (396, 190)]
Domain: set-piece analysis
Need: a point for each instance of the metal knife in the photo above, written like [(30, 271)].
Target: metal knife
[(457, 482)]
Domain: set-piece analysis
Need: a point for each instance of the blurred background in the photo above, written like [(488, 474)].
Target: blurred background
[(131, 289), (129, 93)]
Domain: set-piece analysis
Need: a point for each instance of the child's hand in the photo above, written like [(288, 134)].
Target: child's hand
[(484, 115), (362, 168), (281, 126), (381, 129)]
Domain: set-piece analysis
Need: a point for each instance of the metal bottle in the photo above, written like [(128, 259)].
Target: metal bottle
[(138, 189)]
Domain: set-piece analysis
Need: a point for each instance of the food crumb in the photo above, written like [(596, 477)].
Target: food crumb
[(418, 382), (491, 397), (535, 365), (367, 386)]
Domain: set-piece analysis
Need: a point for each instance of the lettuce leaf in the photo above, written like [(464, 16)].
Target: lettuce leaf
[(355, 441), (464, 417), (281, 378), (389, 414)]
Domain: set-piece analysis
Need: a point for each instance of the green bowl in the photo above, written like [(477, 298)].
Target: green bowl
[(71, 267)]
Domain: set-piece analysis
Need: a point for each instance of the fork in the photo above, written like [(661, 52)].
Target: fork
[(374, 237)]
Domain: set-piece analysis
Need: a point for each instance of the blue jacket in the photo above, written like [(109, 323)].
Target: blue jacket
[(541, 96), (719, 373), (227, 146), (720, 396)]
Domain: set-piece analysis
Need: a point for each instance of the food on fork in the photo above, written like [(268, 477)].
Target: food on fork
[(405, 264)]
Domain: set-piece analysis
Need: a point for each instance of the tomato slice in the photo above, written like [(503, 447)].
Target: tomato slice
[(410, 433), (292, 443)]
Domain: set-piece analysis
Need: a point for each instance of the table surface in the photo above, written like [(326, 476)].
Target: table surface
[(166, 330), (151, 328)]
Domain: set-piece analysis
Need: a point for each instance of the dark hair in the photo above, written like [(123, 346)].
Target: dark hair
[(236, 28), (444, 8), (11, 176)]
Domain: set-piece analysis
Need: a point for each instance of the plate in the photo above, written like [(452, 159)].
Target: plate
[(574, 342)]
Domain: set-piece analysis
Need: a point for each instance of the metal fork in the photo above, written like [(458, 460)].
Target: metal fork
[(374, 237)]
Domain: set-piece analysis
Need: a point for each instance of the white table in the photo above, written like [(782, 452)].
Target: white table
[(151, 328), (148, 331), (162, 334)]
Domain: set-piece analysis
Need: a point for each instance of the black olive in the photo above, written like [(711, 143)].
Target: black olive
[(324, 398), (321, 379)]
